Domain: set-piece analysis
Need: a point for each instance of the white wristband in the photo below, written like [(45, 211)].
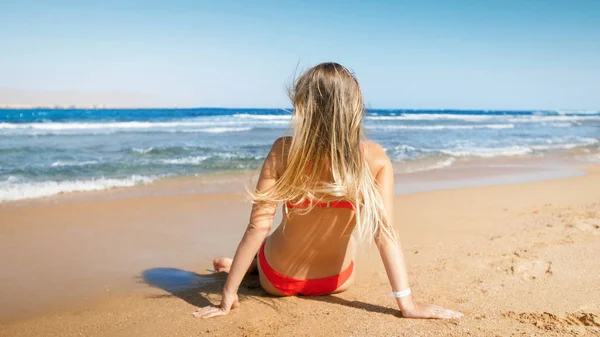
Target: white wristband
[(401, 293)]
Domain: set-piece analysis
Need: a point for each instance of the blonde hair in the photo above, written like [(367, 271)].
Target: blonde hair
[(327, 138)]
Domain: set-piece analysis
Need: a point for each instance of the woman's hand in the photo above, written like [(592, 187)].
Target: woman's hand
[(228, 301), (422, 310)]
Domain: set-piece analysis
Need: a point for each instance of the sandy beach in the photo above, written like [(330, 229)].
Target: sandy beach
[(131, 134), (516, 259)]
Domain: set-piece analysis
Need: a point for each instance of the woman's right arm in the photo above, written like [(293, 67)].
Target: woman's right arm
[(393, 257)]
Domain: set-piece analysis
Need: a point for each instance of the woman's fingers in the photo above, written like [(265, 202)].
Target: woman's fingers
[(215, 313), (228, 302), (208, 312), (201, 311)]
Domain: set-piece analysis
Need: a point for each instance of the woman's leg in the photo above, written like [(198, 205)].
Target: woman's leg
[(223, 264)]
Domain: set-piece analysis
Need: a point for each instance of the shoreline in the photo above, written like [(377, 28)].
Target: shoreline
[(411, 177), (123, 237)]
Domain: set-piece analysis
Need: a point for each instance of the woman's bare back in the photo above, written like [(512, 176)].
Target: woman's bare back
[(317, 244)]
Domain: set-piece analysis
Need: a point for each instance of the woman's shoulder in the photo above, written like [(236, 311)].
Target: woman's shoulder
[(376, 157), (281, 145), (282, 142), (279, 151), (374, 151)]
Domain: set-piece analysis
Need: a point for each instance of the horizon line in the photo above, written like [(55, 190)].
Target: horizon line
[(93, 107)]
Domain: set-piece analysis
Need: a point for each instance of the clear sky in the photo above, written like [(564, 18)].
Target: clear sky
[(406, 54)]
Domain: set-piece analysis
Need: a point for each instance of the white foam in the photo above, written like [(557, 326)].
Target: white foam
[(112, 125), (264, 117), (82, 163), (238, 156), (186, 161), (436, 166), (196, 160), (489, 152), (552, 145), (440, 127), (404, 148), (106, 128), (516, 150), (143, 150), (559, 125), (578, 112), (9, 190), (548, 119), (217, 130), (428, 117)]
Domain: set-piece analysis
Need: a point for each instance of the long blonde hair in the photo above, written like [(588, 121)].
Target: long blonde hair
[(327, 137)]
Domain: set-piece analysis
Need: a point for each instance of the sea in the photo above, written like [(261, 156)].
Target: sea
[(44, 152)]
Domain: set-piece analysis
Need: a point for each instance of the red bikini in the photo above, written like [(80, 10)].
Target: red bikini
[(311, 287)]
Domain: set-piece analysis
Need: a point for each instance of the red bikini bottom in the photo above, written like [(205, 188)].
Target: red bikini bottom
[(311, 287)]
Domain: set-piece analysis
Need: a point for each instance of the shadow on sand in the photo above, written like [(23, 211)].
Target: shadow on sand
[(334, 299), (198, 289)]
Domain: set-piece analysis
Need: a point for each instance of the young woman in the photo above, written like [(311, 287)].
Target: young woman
[(334, 186)]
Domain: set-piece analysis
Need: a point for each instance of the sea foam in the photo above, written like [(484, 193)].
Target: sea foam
[(440, 127), (14, 190)]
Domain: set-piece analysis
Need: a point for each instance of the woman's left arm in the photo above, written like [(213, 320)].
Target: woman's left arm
[(259, 226)]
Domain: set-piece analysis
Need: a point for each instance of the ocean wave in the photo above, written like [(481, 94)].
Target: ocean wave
[(565, 146), (548, 119), (435, 166), (439, 127), (185, 161), (143, 150), (76, 126), (518, 150), (216, 130), (429, 117), (234, 157), (489, 152), (578, 112), (559, 125), (404, 148), (510, 118), (59, 163), (14, 190), (109, 125), (264, 117)]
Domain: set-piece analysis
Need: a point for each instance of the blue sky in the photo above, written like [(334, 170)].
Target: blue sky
[(418, 54)]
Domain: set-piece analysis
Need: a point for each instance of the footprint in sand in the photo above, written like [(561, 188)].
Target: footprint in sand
[(532, 270), (522, 262), (587, 225), (576, 323)]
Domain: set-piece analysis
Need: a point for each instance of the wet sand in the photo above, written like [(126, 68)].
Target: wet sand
[(517, 259)]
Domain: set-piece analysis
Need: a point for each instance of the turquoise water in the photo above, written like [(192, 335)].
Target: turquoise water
[(48, 151)]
